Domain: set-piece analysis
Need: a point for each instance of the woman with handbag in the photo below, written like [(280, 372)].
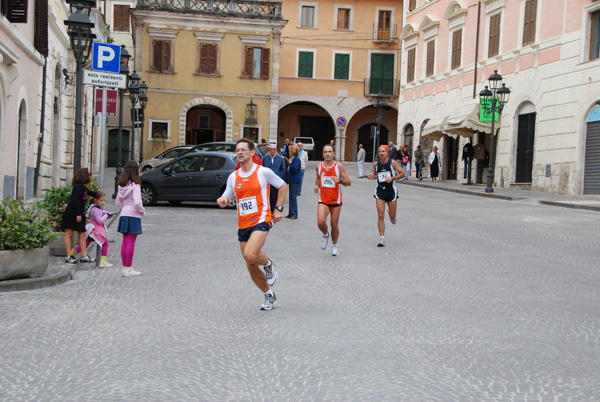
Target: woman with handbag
[(404, 157)]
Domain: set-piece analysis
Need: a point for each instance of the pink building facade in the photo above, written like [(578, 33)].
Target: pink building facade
[(547, 52)]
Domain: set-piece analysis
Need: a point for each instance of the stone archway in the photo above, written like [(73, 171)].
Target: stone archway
[(205, 100)]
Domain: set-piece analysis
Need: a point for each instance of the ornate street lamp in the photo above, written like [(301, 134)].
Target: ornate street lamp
[(493, 101), (134, 93), (123, 70), (79, 29), (381, 106), (143, 98)]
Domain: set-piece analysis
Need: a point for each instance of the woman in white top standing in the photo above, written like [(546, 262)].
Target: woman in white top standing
[(435, 162)]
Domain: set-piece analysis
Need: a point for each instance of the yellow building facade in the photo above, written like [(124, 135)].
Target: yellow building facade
[(211, 68), (335, 59)]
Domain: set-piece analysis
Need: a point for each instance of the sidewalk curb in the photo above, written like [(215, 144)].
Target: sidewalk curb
[(65, 274), (572, 206), (454, 190)]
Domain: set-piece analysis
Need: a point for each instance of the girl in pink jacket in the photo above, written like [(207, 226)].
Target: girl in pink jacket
[(96, 229), (129, 198)]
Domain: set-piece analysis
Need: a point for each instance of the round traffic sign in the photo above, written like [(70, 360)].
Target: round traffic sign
[(341, 121)]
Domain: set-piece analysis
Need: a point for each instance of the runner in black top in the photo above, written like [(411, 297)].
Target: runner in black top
[(385, 172)]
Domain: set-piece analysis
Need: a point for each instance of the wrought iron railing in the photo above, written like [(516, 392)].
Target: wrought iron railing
[(239, 8), (384, 34), (389, 87)]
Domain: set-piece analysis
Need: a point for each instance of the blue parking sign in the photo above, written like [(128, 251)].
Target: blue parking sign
[(106, 57)]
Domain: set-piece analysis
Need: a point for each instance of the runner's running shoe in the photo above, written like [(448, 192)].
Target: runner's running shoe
[(334, 252), (271, 273), (324, 242), (381, 242), (270, 302)]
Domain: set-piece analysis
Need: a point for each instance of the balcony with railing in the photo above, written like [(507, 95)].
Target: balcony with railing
[(230, 8), (388, 86), (384, 34)]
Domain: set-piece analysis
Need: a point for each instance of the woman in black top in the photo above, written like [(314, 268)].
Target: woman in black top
[(73, 218)]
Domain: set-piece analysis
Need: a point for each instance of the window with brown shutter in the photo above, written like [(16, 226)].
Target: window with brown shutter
[(456, 48), (412, 4), (343, 21), (529, 22), (15, 10), (494, 40), (257, 62), (121, 19), (208, 58), (410, 65), (430, 58), (161, 61)]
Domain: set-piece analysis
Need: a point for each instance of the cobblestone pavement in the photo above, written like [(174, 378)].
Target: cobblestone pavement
[(472, 299)]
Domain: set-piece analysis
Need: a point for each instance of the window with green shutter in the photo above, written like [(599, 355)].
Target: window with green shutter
[(382, 73), (305, 64), (342, 66)]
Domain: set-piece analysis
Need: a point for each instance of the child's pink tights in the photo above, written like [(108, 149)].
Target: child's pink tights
[(87, 245), (127, 249)]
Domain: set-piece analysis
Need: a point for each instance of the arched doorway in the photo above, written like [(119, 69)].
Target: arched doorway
[(204, 123), (525, 143), (306, 119), (366, 137), (591, 174)]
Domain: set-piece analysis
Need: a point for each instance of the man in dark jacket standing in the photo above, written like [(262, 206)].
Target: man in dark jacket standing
[(467, 157), (276, 164)]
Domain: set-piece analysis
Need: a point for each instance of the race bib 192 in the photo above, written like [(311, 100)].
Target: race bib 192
[(247, 206)]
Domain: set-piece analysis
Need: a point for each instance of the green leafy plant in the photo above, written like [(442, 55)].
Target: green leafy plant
[(56, 200), (54, 203), (24, 227)]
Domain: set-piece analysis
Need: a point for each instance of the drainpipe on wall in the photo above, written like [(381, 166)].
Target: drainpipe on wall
[(476, 50), (42, 129)]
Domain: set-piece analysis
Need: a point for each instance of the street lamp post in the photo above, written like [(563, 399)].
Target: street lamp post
[(123, 70), (381, 106), (134, 93), (143, 98), (498, 97), (81, 37)]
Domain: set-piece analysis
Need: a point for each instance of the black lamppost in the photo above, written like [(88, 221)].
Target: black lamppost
[(381, 106), (79, 28), (497, 97), (134, 93), (123, 70), (143, 98)]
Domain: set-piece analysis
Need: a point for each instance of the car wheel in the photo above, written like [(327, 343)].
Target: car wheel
[(146, 168), (149, 196)]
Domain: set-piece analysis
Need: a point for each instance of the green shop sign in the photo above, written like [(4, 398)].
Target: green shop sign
[(485, 111)]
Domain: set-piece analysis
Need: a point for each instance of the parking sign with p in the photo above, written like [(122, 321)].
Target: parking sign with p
[(106, 57)]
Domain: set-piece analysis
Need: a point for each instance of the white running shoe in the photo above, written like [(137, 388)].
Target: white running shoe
[(270, 302), (334, 252), (324, 242), (128, 271), (271, 273), (381, 242)]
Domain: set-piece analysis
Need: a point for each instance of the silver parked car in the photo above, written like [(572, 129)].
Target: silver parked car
[(200, 176), (165, 157)]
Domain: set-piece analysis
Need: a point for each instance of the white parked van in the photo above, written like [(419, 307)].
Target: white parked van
[(309, 145)]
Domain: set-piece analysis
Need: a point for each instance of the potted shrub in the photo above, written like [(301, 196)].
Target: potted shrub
[(54, 203), (24, 236)]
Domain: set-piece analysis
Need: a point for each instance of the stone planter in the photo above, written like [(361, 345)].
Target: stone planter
[(57, 247), (23, 263)]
